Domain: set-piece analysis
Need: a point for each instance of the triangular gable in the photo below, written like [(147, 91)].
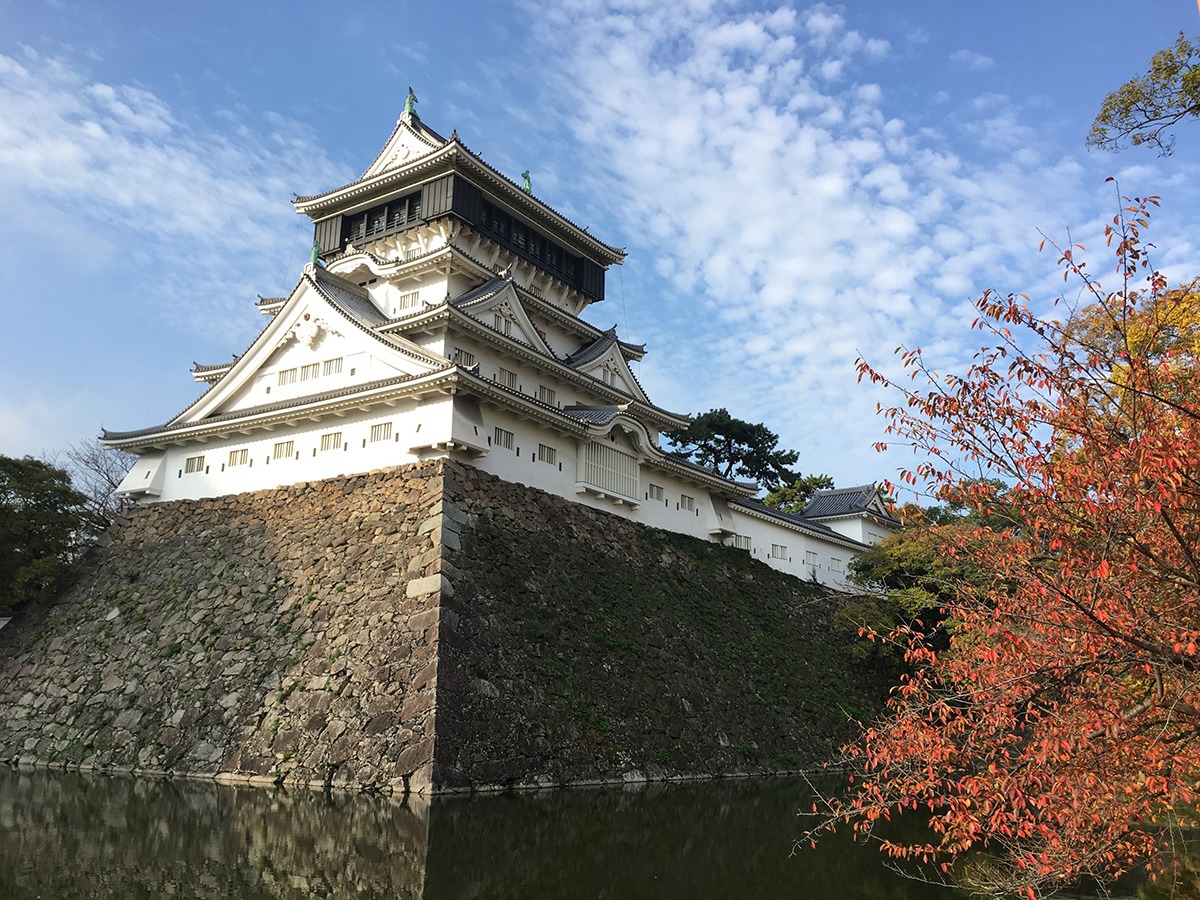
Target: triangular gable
[(410, 140), (605, 361), (619, 376), (321, 322), (495, 303)]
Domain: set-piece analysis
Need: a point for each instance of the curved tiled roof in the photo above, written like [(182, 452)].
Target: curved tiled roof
[(594, 415), (848, 501), (448, 150), (264, 408)]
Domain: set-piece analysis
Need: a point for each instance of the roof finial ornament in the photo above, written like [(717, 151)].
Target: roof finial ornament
[(526, 184), (410, 103)]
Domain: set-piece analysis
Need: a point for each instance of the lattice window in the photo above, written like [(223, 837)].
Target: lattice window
[(283, 450), (610, 470)]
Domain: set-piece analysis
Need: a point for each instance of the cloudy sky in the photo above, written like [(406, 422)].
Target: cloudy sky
[(797, 184)]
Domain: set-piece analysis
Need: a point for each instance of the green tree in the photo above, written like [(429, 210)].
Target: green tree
[(913, 575), (792, 495), (734, 448), (1144, 108), (43, 522)]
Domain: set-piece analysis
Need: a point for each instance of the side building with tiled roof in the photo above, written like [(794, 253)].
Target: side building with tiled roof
[(440, 317)]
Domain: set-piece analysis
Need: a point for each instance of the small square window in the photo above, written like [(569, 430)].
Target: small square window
[(547, 454), (502, 324), (193, 464), (779, 551), (741, 541), (381, 432), (686, 502), (332, 367), (464, 357), (503, 438), (546, 395), (239, 457), (655, 492), (331, 441), (835, 564), (309, 372), (810, 557), (287, 376), (508, 379), (283, 450)]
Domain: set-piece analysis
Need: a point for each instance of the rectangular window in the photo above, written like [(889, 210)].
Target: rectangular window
[(835, 564), (508, 379), (283, 450), (503, 438), (546, 395), (779, 551), (331, 441), (239, 457), (332, 367), (810, 557), (741, 541), (381, 432), (547, 454), (193, 464), (464, 357), (655, 492), (408, 301), (686, 502), (310, 371), (287, 376), (607, 376), (502, 325), (608, 469)]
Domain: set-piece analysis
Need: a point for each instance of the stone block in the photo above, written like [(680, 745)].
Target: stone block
[(429, 584)]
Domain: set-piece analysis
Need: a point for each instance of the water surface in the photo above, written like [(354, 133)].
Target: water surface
[(73, 836)]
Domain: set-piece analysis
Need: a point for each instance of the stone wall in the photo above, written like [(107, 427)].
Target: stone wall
[(423, 628)]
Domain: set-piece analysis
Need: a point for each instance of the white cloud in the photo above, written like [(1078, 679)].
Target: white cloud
[(809, 223), (969, 59), (116, 161)]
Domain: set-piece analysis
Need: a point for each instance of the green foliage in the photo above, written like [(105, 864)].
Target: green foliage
[(1142, 109), (43, 522), (792, 496), (916, 572), (734, 448)]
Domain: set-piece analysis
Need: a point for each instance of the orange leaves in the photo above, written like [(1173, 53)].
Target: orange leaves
[(1059, 714)]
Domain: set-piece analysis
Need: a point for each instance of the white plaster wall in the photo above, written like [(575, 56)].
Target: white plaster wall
[(357, 453)]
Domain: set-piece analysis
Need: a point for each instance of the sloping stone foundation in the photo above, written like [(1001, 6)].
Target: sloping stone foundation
[(424, 628)]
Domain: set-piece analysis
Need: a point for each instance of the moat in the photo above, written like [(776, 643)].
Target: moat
[(71, 836)]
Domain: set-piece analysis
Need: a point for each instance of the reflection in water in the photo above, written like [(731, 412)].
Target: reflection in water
[(70, 836)]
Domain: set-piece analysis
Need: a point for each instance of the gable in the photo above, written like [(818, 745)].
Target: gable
[(613, 370), (320, 341), (497, 305), (409, 141)]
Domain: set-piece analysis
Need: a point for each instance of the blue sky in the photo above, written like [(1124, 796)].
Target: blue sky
[(796, 184)]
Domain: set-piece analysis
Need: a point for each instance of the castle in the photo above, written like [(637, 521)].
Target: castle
[(439, 317)]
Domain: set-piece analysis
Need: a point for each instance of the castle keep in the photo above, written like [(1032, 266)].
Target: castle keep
[(439, 318)]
